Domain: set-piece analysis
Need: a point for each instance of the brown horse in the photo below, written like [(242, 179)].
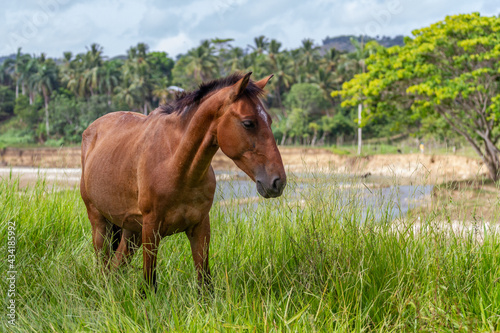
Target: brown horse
[(147, 177)]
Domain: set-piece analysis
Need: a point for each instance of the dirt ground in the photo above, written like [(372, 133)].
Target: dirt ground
[(475, 201), (431, 169)]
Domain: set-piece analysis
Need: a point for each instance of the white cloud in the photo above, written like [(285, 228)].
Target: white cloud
[(175, 44), (176, 26)]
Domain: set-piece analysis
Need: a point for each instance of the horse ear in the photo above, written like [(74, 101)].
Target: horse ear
[(262, 83), (240, 86)]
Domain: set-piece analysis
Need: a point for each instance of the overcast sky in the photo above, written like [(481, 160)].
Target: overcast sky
[(55, 26)]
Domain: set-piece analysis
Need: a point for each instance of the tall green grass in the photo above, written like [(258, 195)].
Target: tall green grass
[(311, 262)]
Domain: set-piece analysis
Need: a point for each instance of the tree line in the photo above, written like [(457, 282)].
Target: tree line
[(53, 100)]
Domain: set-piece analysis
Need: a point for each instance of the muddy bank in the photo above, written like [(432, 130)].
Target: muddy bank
[(40, 157), (410, 167)]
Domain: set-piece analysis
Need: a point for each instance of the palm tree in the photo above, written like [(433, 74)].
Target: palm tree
[(274, 48), (128, 94), (297, 69), (277, 63), (161, 91), (261, 44), (202, 62), (15, 68), (26, 77), (92, 62), (15, 71), (330, 60), (234, 59), (67, 72), (110, 77), (73, 78), (308, 56), (281, 66), (138, 84), (221, 50), (45, 80)]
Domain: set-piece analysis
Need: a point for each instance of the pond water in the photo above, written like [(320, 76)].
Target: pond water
[(395, 200)]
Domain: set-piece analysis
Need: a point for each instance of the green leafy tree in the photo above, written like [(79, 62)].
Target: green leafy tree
[(27, 113), (314, 127), (160, 65), (71, 116), (308, 97), (450, 69), (339, 125), (297, 123)]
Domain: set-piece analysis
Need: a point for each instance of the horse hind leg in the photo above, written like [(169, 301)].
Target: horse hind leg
[(129, 243)]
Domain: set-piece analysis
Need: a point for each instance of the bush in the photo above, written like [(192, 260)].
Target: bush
[(69, 117), (54, 143), (7, 100)]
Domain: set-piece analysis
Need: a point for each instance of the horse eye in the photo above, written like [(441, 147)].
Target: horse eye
[(248, 124)]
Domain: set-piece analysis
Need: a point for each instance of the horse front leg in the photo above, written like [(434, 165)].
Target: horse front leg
[(150, 242), (199, 238)]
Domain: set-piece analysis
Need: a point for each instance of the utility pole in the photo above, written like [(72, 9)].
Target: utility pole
[(360, 107)]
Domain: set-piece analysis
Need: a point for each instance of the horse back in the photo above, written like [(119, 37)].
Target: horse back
[(118, 128)]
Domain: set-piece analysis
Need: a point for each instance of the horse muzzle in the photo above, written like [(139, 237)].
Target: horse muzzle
[(271, 189)]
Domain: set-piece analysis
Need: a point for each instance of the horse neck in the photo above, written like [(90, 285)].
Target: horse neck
[(198, 143)]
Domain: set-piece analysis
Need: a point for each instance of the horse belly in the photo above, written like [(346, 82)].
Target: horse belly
[(112, 189)]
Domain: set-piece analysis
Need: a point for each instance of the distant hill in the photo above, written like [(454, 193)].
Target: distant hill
[(3, 58), (343, 43), (119, 57)]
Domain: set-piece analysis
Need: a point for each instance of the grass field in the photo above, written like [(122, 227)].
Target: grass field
[(313, 263)]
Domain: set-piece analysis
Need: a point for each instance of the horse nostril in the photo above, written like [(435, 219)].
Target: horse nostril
[(276, 183)]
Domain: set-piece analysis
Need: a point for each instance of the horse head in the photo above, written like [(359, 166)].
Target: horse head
[(244, 135)]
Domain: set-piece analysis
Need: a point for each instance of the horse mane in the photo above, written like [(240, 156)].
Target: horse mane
[(184, 100)]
